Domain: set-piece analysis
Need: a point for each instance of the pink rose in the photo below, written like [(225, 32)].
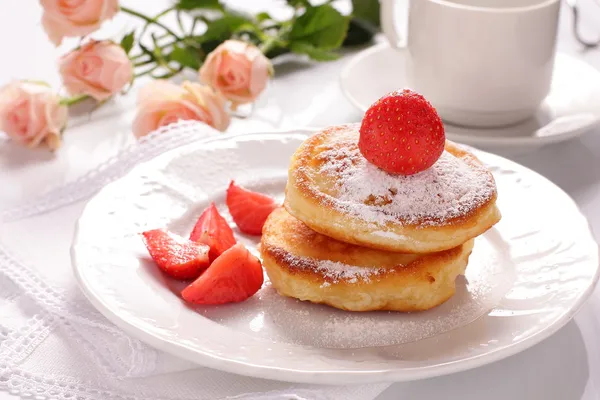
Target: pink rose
[(162, 103), (64, 18), (238, 70), (31, 114), (98, 69)]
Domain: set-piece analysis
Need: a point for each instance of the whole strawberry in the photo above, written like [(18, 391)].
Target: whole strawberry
[(401, 133)]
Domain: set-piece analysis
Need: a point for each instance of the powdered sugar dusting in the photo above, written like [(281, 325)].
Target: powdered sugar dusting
[(333, 271), (449, 189), (337, 271)]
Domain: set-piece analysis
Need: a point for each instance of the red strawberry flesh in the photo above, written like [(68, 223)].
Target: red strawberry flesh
[(233, 277), (249, 209), (214, 231), (176, 256)]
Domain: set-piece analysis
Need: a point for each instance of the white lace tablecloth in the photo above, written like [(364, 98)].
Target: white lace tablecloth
[(54, 345)]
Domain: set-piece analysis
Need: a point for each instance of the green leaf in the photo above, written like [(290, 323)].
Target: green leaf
[(222, 28), (127, 41), (359, 32), (299, 3), (247, 27), (366, 10), (313, 52), (323, 27), (146, 51), (188, 57), (199, 4), (263, 16)]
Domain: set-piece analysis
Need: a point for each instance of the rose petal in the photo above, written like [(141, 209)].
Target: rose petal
[(97, 69), (62, 19)]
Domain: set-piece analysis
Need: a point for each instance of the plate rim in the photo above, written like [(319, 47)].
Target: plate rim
[(339, 377), (528, 141)]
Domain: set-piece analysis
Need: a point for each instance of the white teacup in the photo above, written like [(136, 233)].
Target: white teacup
[(479, 62)]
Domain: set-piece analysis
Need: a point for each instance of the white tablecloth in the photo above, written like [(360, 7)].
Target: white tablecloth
[(566, 366)]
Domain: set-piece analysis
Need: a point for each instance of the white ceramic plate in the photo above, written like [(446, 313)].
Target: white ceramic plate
[(526, 277), (571, 108)]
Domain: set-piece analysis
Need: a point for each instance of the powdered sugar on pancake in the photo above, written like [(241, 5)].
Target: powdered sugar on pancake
[(332, 271), (449, 189), (337, 271)]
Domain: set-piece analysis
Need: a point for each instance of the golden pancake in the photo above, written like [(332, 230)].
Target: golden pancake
[(334, 190), (306, 265)]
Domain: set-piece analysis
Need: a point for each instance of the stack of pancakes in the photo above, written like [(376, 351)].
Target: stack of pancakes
[(357, 238)]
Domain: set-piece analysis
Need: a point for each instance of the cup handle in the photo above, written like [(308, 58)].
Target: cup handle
[(387, 23)]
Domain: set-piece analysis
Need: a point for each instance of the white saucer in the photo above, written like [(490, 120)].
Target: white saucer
[(571, 108), (526, 277)]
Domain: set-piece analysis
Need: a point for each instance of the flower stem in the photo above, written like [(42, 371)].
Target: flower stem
[(146, 72), (69, 101), (271, 43), (168, 10), (180, 21), (161, 48), (155, 18), (159, 58), (194, 25), (168, 75), (142, 63), (149, 20)]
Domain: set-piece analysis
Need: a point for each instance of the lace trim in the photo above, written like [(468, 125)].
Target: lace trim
[(166, 138), (34, 385), (54, 302), (18, 344)]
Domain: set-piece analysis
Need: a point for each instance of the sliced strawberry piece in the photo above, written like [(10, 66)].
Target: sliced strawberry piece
[(214, 231), (234, 276), (176, 256), (249, 209)]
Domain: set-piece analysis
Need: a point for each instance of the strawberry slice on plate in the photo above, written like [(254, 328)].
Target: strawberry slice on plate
[(233, 277), (214, 231), (176, 256), (249, 209)]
